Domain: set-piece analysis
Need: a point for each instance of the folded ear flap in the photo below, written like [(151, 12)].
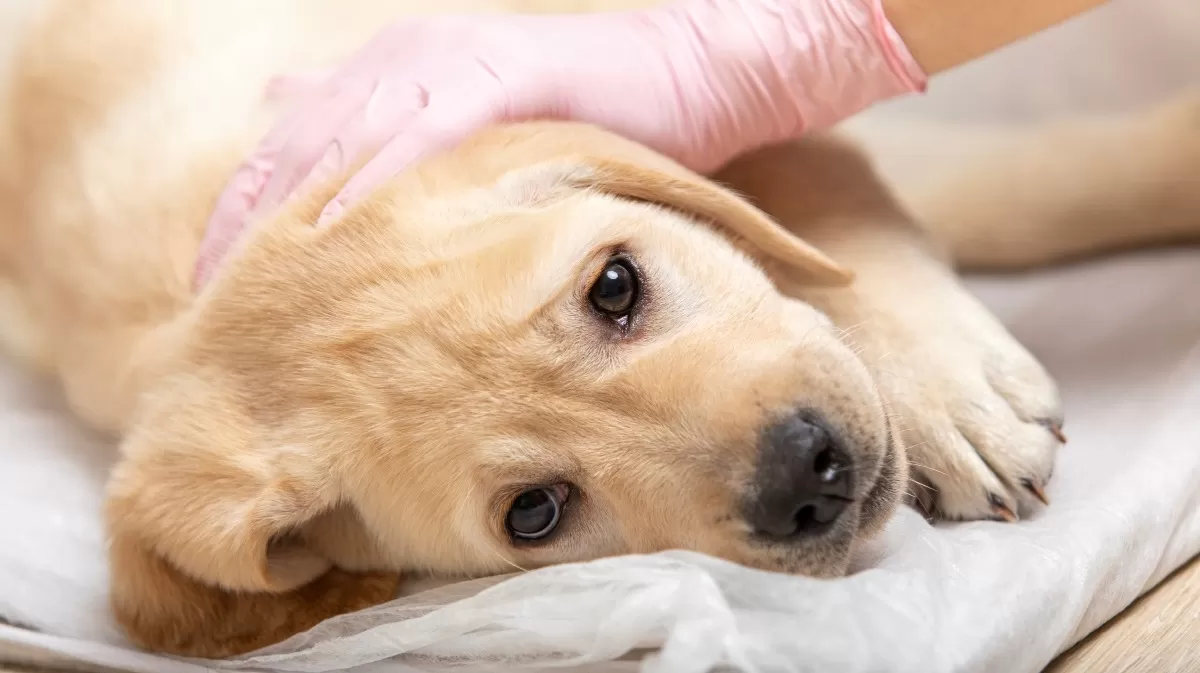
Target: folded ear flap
[(203, 559), (163, 609), (585, 157), (705, 199)]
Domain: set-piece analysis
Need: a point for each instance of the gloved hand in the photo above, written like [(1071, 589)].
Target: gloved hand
[(699, 80)]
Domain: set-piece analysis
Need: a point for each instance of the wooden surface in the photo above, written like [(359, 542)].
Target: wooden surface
[(1160, 633)]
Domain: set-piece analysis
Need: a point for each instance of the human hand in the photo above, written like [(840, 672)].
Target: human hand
[(699, 81)]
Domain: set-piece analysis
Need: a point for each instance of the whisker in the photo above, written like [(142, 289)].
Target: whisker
[(918, 483), (846, 332), (926, 467), (504, 558), (808, 334)]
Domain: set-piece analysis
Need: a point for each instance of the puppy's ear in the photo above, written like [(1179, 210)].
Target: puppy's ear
[(203, 556), (588, 158), (706, 200)]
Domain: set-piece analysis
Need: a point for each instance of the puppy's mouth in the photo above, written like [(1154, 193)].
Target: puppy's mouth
[(882, 498)]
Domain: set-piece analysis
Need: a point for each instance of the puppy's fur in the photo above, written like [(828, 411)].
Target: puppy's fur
[(339, 406)]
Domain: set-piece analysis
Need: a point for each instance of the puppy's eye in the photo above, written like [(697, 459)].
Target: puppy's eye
[(616, 290), (535, 513)]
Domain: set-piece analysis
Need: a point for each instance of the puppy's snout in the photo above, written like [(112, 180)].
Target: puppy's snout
[(803, 481)]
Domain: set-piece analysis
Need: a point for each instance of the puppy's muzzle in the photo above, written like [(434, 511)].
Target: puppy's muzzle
[(803, 482)]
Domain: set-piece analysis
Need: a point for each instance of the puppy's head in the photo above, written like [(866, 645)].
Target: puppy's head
[(549, 345)]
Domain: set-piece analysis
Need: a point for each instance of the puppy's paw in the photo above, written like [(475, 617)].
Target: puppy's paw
[(980, 417), (982, 438)]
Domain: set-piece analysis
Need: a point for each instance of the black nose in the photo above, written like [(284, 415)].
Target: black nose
[(803, 481)]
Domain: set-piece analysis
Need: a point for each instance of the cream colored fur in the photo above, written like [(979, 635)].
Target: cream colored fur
[(345, 405)]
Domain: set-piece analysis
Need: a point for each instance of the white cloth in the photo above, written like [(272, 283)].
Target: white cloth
[(1122, 337)]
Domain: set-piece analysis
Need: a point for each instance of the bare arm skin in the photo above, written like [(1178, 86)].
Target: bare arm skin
[(942, 34)]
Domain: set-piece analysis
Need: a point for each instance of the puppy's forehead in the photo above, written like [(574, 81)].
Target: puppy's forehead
[(517, 456), (521, 258), (495, 273), (554, 241)]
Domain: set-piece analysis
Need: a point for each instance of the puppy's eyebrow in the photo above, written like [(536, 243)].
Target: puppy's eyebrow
[(512, 478), (526, 448), (574, 280)]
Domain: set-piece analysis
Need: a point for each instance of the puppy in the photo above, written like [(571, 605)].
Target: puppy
[(546, 345)]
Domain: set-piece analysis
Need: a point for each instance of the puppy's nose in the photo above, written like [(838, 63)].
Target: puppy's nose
[(803, 481)]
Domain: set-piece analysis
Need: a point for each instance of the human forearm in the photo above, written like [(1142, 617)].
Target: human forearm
[(785, 67), (942, 34)]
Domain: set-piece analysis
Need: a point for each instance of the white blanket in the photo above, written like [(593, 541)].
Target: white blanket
[(1122, 337)]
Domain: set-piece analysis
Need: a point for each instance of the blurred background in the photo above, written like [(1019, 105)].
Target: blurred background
[(1120, 56), (1125, 53)]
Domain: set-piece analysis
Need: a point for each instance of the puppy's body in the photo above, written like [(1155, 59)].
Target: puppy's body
[(362, 398)]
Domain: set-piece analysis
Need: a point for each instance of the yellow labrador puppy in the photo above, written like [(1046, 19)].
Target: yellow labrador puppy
[(546, 345)]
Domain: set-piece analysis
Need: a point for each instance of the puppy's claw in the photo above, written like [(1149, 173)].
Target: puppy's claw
[(1055, 428), (1036, 490), (925, 504), (1002, 510)]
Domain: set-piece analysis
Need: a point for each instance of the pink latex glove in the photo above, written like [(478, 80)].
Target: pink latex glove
[(699, 80)]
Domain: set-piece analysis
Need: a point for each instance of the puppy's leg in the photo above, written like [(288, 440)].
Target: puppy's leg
[(1059, 191), (978, 414)]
